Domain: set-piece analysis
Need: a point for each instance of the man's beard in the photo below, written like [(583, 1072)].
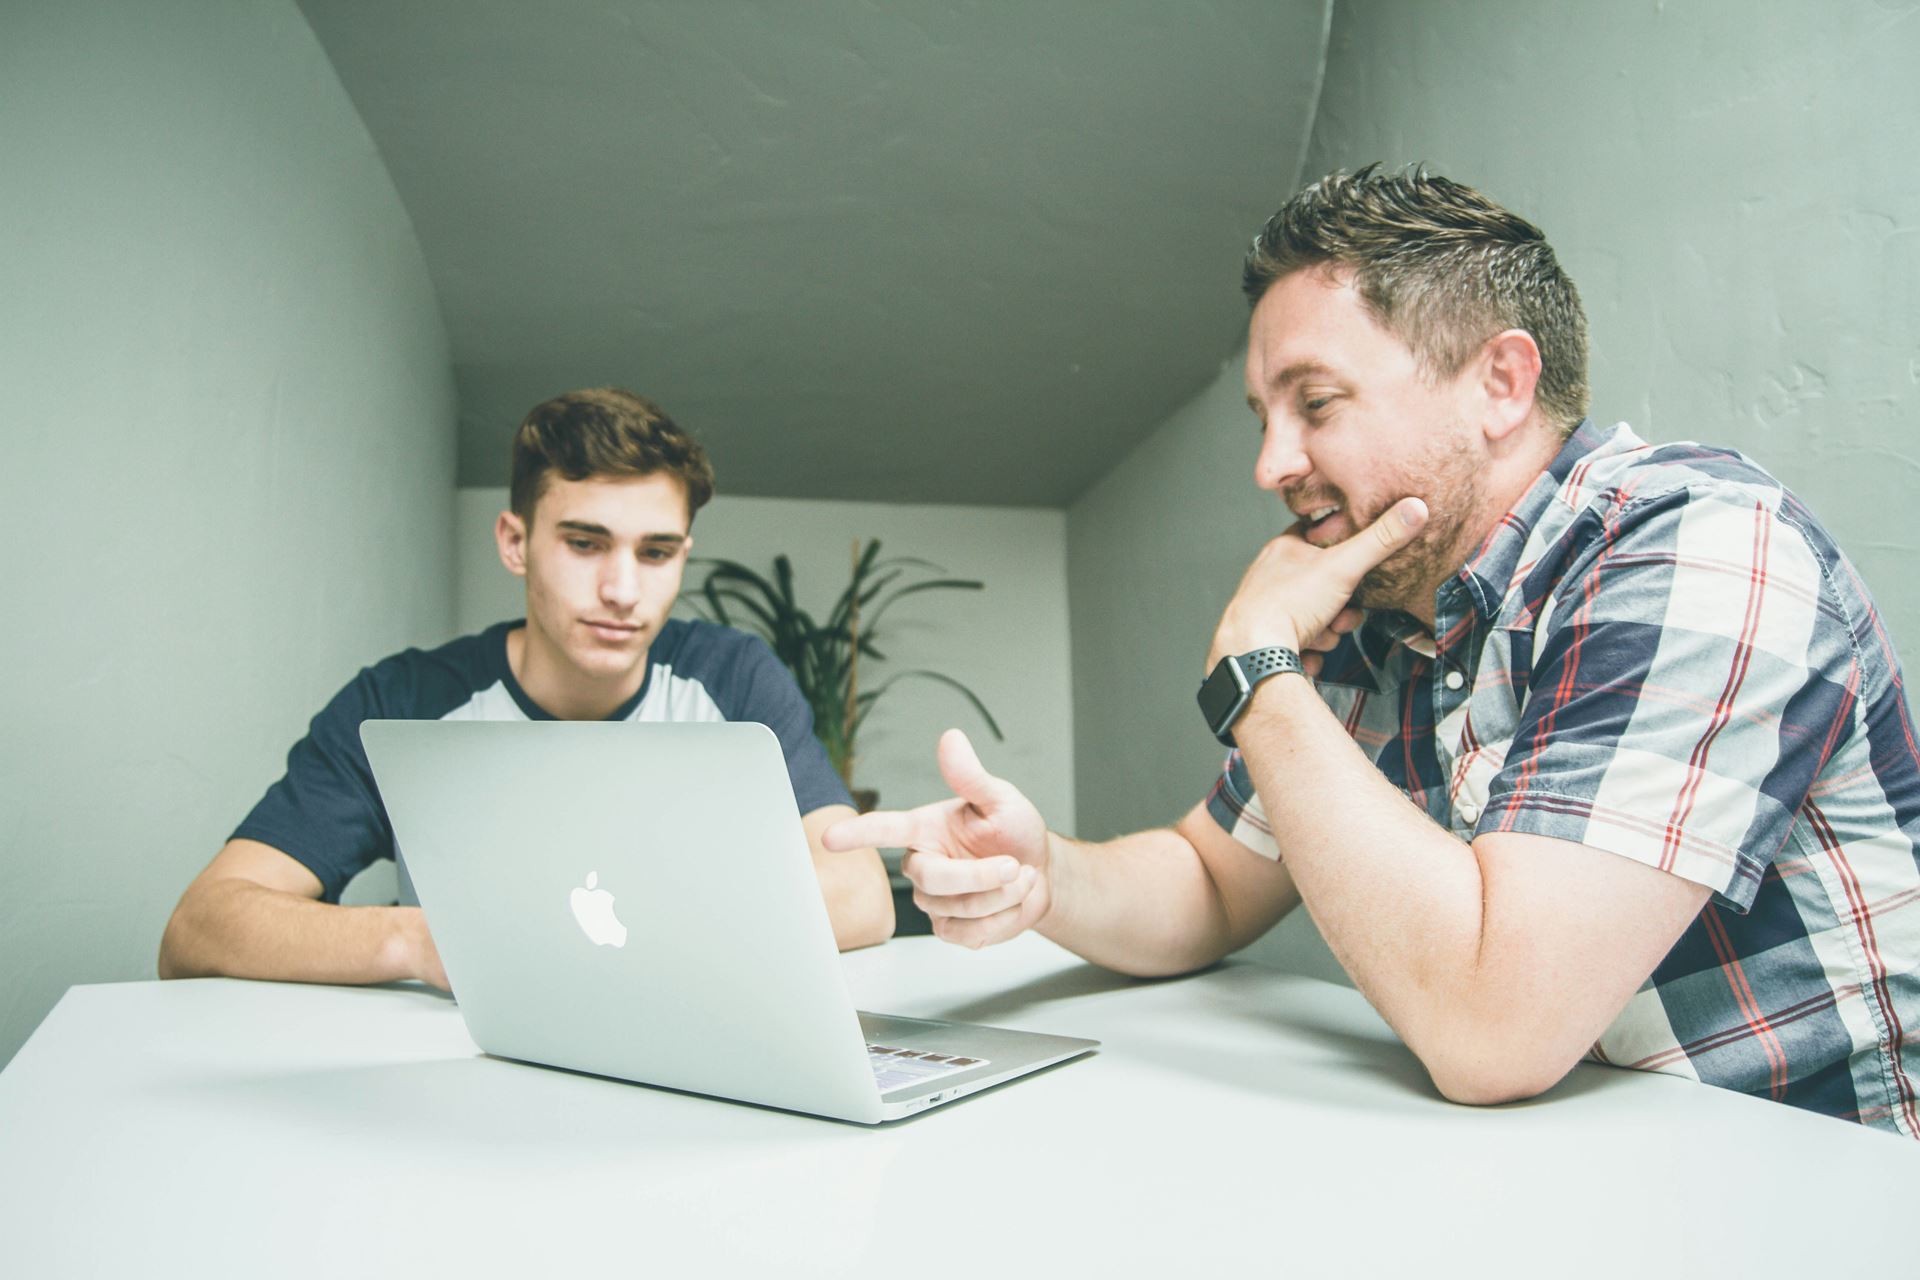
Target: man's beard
[(1407, 579)]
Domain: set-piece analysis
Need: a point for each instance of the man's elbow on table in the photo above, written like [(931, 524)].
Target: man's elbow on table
[(169, 964), (1480, 1075), (190, 940)]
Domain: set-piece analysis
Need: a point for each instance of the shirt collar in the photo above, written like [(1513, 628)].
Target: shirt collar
[(1488, 575)]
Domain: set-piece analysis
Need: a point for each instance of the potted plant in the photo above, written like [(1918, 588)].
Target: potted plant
[(825, 657)]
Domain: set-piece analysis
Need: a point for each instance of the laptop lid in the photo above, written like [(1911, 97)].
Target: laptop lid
[(636, 901)]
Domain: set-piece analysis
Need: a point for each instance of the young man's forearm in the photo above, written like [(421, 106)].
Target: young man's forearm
[(854, 883), (237, 928), (859, 899)]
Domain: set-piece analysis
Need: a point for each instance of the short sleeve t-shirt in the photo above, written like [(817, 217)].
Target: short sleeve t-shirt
[(326, 811)]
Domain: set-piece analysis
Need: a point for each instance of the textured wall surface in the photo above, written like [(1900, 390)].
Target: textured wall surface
[(1154, 552), (228, 420), (1008, 643), (1732, 197)]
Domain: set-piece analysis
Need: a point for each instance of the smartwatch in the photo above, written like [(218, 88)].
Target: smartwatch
[(1225, 693)]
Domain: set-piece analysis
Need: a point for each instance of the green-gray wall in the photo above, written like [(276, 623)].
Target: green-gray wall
[(228, 422), (1728, 187)]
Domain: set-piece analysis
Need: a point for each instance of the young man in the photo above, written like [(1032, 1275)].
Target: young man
[(605, 488), (1572, 745)]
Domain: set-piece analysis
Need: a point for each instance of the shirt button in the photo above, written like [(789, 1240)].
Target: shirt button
[(1469, 814), (1454, 679)]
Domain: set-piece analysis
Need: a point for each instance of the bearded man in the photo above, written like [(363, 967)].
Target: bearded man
[(1572, 745)]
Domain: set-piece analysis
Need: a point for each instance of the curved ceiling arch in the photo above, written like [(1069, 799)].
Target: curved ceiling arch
[(929, 251)]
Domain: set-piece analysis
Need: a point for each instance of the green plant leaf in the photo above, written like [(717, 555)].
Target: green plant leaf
[(713, 601), (868, 700), (733, 569), (729, 571), (821, 657), (915, 561), (783, 574), (933, 584), (842, 611), (716, 595)]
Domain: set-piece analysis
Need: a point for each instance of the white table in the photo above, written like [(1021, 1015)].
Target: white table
[(1236, 1119)]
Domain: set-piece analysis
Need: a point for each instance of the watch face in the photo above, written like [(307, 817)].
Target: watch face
[(1220, 694)]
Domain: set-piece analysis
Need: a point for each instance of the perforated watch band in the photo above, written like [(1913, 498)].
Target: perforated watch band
[(1225, 693), (1271, 661)]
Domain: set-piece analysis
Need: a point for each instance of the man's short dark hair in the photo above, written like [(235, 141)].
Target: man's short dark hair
[(604, 431), (1439, 266)]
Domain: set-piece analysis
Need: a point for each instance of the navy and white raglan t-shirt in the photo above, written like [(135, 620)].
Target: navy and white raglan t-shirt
[(326, 812)]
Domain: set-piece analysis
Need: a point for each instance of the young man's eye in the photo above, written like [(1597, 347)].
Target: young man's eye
[(581, 545)]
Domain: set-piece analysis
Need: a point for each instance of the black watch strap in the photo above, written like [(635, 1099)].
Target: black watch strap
[(1270, 661), (1225, 693)]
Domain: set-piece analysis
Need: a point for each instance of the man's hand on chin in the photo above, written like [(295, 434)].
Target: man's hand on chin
[(1299, 596)]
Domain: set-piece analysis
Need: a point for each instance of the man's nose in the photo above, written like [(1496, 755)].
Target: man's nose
[(1283, 459), (620, 583)]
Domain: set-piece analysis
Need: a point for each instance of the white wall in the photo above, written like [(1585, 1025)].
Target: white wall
[(1733, 199), (1008, 643), (228, 428)]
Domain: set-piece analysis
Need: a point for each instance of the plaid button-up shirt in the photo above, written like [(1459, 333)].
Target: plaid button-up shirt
[(1659, 652)]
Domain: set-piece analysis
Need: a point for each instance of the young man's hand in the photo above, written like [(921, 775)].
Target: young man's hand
[(1300, 596), (978, 862), (420, 954)]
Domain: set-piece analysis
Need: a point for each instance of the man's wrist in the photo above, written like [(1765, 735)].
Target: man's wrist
[(1226, 646), (1060, 853), (400, 950), (1227, 692), (1281, 696)]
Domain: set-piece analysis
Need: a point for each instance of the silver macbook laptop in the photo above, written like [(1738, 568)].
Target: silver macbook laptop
[(638, 901)]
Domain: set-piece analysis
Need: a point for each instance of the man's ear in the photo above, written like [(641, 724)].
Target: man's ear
[(510, 535), (1509, 372)]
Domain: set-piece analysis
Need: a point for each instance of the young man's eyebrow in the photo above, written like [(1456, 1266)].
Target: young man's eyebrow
[(600, 530)]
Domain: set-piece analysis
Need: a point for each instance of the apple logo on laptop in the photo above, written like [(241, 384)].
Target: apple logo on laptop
[(593, 908)]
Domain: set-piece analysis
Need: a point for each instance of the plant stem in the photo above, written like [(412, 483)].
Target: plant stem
[(853, 667)]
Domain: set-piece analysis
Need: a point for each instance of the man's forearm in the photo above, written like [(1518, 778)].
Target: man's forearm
[(854, 883), (1142, 904), (859, 898), (237, 928), (1397, 898)]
